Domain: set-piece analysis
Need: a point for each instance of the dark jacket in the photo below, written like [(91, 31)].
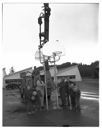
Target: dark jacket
[(28, 94), (67, 87), (62, 88)]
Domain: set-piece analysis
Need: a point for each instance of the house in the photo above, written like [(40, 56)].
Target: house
[(14, 78), (72, 72)]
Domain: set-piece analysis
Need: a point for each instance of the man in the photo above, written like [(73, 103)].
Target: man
[(67, 84), (62, 91), (40, 89), (35, 75), (75, 96), (28, 95)]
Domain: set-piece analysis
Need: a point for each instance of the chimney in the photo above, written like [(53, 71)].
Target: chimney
[(4, 72)]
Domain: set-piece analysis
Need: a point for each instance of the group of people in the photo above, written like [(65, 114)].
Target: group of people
[(69, 94), (34, 93)]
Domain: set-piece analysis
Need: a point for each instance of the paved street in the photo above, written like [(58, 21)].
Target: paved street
[(14, 112)]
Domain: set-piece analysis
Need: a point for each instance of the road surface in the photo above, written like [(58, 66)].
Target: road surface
[(14, 112)]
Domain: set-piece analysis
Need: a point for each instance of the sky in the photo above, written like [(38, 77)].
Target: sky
[(73, 30)]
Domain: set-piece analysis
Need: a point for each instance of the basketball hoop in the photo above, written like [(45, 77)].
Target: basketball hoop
[(55, 57), (39, 56), (58, 53), (51, 59)]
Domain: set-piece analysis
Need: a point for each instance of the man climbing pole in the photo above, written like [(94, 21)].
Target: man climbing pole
[(35, 76)]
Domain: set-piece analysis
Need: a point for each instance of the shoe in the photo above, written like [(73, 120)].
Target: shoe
[(33, 112), (64, 107), (42, 107), (61, 105), (78, 108), (29, 113)]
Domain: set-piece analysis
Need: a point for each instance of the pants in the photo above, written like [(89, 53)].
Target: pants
[(77, 100), (68, 100), (42, 100), (42, 97), (63, 99), (73, 102), (29, 106), (38, 102)]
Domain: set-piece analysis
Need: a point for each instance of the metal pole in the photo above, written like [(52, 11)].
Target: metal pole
[(40, 35), (45, 78), (45, 84), (55, 80)]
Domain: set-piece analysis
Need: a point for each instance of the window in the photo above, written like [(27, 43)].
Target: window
[(72, 77)]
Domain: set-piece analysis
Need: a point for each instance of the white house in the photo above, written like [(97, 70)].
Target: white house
[(71, 72)]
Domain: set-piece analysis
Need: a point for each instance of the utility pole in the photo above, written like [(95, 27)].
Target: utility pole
[(54, 55), (44, 37)]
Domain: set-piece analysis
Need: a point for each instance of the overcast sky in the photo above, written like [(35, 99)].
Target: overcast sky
[(74, 25)]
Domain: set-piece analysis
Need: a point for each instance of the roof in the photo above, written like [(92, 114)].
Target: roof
[(60, 70), (19, 71), (66, 69)]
